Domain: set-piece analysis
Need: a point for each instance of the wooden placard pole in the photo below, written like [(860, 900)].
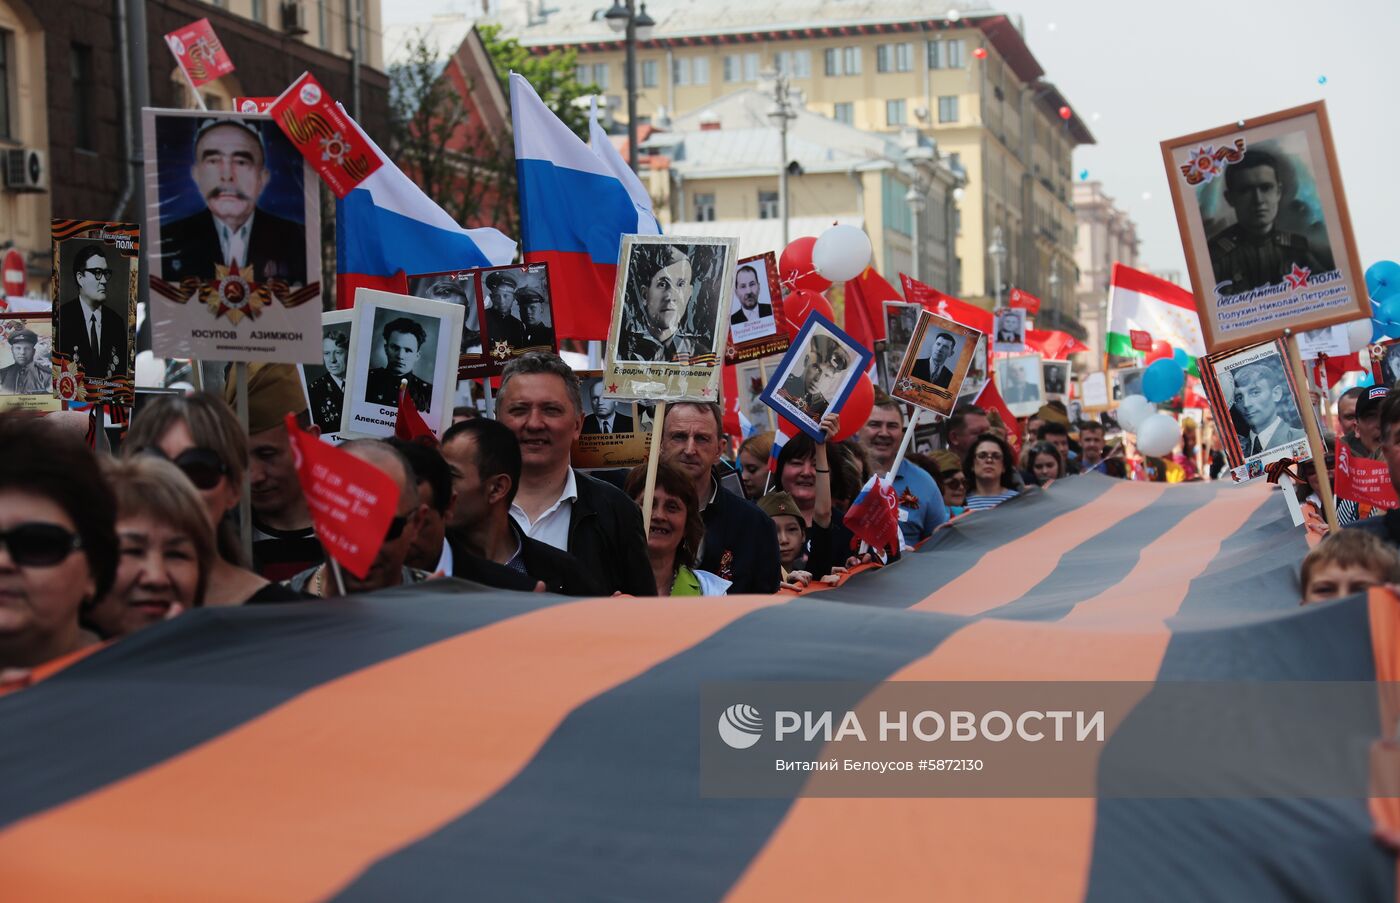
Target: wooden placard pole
[(1311, 427), (653, 458), (245, 500)]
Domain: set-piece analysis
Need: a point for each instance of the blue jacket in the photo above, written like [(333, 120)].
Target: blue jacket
[(922, 509)]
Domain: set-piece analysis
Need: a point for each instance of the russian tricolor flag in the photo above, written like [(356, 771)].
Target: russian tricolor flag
[(576, 203), (386, 228)]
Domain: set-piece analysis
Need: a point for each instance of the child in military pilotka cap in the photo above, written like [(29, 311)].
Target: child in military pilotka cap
[(791, 529)]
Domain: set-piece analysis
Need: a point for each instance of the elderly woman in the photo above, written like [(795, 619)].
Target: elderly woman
[(199, 434), (58, 547), (1041, 463), (165, 546), (660, 290), (675, 532), (990, 467)]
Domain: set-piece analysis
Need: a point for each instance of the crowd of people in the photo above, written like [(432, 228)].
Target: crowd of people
[(95, 546)]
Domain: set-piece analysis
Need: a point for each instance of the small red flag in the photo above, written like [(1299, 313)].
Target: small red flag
[(1053, 344), (352, 502), (874, 516), (991, 400), (324, 134), (409, 424), (1024, 300), (865, 306), (199, 52), (253, 104)]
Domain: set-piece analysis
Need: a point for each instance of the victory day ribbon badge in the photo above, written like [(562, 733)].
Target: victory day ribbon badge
[(325, 135)]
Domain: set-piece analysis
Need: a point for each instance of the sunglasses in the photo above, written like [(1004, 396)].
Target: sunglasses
[(396, 528), (958, 479), (39, 545), (203, 466)]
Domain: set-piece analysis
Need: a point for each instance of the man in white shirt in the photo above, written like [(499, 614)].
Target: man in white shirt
[(746, 287), (595, 522)]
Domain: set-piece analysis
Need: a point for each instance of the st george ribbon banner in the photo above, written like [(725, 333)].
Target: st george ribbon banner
[(352, 502)]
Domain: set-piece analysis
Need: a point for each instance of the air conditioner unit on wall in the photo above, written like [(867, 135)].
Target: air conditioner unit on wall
[(26, 169), (293, 18)]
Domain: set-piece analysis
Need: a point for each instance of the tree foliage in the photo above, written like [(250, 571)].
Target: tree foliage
[(553, 76)]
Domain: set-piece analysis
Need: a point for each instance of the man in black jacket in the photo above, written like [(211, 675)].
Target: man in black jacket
[(740, 543), (484, 459), (591, 520)]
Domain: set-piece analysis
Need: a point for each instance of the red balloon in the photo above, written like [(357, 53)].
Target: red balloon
[(795, 267), (980, 53), (801, 304), (1066, 112), (856, 411), (1160, 349)]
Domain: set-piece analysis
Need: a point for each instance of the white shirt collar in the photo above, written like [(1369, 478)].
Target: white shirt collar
[(570, 494), (1268, 433), (752, 316)]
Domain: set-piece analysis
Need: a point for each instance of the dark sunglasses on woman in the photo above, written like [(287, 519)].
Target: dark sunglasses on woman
[(39, 545), (202, 465)]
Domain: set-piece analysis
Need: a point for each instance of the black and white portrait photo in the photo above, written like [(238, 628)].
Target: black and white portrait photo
[(1127, 381), (605, 415), (93, 317), (324, 383), (751, 311), (1263, 418), (397, 338), (26, 349), (1019, 380), (1055, 375), (816, 375), (1010, 329), (1387, 369), (671, 313), (519, 312), (454, 288), (615, 434), (932, 375), (900, 321)]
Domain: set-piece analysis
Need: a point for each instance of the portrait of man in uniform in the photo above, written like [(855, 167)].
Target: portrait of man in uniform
[(535, 318), (25, 376), (92, 327), (326, 393), (404, 342), (454, 288), (1254, 251)]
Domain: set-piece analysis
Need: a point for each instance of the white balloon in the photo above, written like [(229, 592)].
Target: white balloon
[(1158, 434), (1358, 335), (841, 253), (1132, 410)]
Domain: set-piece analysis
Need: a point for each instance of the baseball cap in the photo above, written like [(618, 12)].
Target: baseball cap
[(1370, 402)]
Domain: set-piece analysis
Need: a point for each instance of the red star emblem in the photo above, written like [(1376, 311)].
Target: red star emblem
[(1299, 277), (612, 388)]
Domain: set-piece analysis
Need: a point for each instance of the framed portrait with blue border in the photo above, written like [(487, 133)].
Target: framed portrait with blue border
[(816, 375)]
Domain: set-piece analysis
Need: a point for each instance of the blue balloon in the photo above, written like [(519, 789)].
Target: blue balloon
[(1377, 330), (1366, 379), (1387, 308), (1383, 279), (1163, 380), (1392, 328), (1182, 358)]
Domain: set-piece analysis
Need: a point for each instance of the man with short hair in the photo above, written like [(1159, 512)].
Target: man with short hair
[(1259, 396), (967, 423), (1057, 434), (501, 322), (458, 289), (23, 377), (605, 418), (484, 460), (921, 506), (403, 343), (1368, 421), (1346, 416), (591, 520), (934, 368), (389, 567), (93, 335), (1091, 443), (739, 545), (1252, 252), (1386, 526), (429, 551), (746, 289), (230, 170)]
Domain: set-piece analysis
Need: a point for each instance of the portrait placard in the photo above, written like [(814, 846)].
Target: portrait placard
[(233, 221), (615, 433), (458, 287), (1258, 416), (517, 312), (1055, 378), (397, 337), (1010, 330), (756, 310), (977, 378), (670, 317), (1385, 362), (935, 362), (1332, 341), (1127, 381), (1074, 408), (752, 377), (26, 363), (816, 375), (1264, 223), (324, 383), (1019, 380), (901, 319), (1094, 387), (93, 288)]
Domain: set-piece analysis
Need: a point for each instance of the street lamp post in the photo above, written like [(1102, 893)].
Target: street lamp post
[(636, 26), (915, 199), (782, 113), (997, 251)]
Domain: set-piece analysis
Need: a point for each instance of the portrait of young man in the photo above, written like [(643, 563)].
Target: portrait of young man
[(933, 366), (27, 374), (1054, 374), (502, 324), (1261, 397), (234, 225), (656, 326), (404, 341), (535, 317), (93, 320), (811, 386)]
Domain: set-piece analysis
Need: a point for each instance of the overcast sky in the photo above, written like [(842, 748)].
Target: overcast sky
[(1139, 71)]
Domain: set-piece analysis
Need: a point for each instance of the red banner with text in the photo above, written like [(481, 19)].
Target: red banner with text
[(1364, 480)]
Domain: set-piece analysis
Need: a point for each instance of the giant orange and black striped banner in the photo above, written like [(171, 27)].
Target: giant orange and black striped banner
[(444, 742)]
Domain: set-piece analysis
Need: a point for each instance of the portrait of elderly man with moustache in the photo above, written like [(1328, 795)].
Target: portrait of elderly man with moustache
[(230, 171)]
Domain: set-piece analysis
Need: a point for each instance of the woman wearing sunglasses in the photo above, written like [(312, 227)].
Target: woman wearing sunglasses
[(165, 545), (58, 547), (990, 469), (199, 435)]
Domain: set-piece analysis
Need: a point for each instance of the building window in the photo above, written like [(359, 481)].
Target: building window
[(600, 75), (80, 68), (741, 67), (945, 54), (794, 63), (948, 108), (700, 70), (595, 74), (649, 73), (687, 70), (894, 57), (767, 205), (705, 208), (259, 10), (894, 112), (321, 24), (843, 61), (894, 208), (680, 71), (5, 84), (844, 112)]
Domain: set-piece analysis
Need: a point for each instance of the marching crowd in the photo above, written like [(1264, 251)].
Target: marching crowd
[(95, 546)]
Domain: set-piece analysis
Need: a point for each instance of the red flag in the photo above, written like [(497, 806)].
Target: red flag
[(352, 502), (915, 292), (991, 400), (865, 307), (1337, 367), (408, 423), (324, 134), (1053, 344), (874, 516), (199, 52), (1364, 480), (729, 377), (253, 104), (1141, 339), (1024, 300)]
